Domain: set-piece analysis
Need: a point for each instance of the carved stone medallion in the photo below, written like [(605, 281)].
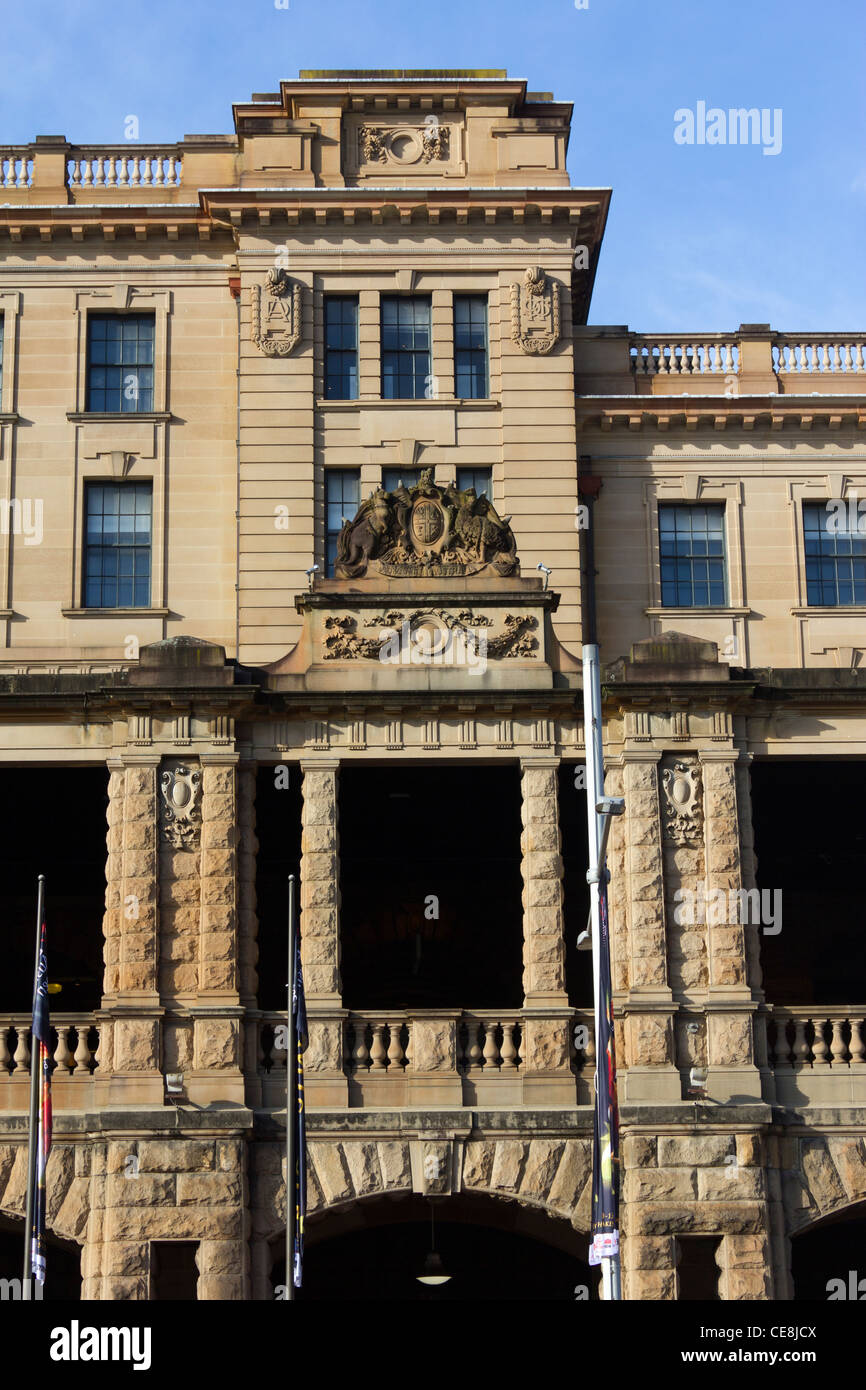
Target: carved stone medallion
[(535, 312), (181, 806), (682, 802), (275, 324)]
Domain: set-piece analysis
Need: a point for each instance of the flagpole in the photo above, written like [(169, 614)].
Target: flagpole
[(35, 1065), (290, 1128)]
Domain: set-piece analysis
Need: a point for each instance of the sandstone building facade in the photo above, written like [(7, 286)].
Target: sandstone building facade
[(293, 422)]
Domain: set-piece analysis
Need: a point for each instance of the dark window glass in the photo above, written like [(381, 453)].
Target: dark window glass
[(341, 347), (835, 548), (117, 545), (393, 477), (692, 556), (406, 349), (479, 478), (470, 346), (120, 362), (342, 497)]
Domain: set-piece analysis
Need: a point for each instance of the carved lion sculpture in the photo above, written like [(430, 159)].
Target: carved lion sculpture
[(360, 539)]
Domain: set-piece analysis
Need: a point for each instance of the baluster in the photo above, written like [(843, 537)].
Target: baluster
[(22, 1050), (378, 1054), (145, 172), (664, 361), (491, 1048), (73, 173), (858, 362), (122, 172), (97, 172), (473, 1051), (847, 364), (508, 1051), (170, 177), (83, 1054), (801, 1047), (858, 1046), (110, 180), (98, 1054), (360, 1051), (62, 1055), (21, 181), (86, 173), (395, 1046), (5, 1054), (134, 172), (837, 1045), (729, 357), (717, 358), (781, 1051), (409, 1050), (819, 1047)]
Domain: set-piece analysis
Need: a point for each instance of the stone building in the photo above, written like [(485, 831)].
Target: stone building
[(307, 453)]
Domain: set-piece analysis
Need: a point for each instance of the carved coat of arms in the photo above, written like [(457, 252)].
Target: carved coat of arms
[(535, 311), (181, 806), (683, 802), (275, 325), (426, 531)]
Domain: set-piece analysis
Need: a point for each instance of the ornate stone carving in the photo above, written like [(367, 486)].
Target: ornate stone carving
[(342, 643), (404, 144), (275, 325), (516, 640), (683, 802), (426, 532), (181, 806), (535, 312)]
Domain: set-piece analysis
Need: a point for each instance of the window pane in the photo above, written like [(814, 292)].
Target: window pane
[(120, 362), (692, 556), (117, 545)]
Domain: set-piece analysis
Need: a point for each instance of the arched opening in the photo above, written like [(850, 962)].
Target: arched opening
[(493, 1249), (831, 1249), (63, 1263)]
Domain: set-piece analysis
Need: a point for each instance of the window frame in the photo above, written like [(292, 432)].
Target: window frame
[(126, 370), (855, 539), (328, 299), (469, 298), (400, 301), (328, 532), (681, 507), (121, 485)]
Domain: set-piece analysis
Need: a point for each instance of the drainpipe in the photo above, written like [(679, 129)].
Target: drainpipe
[(235, 291)]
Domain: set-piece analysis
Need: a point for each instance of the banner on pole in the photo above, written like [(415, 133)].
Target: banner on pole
[(40, 1057), (604, 1230)]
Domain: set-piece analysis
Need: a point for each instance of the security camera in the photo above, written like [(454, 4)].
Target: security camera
[(545, 571), (309, 573), (698, 1081), (610, 806)]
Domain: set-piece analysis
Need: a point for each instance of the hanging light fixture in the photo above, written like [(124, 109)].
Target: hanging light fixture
[(433, 1271)]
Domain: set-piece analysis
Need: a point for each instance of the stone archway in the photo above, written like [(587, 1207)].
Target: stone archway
[(548, 1177), (68, 1191), (827, 1257)]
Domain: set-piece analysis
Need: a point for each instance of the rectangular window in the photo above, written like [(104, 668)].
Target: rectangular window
[(120, 362), (835, 554), (342, 498), (117, 522), (692, 546), (393, 477), (470, 346), (341, 347), (479, 478), (405, 348), (173, 1270)]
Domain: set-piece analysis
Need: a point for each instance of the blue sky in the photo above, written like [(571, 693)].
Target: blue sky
[(699, 238)]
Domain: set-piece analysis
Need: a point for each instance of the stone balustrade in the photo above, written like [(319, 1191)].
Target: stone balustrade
[(680, 355), (815, 1053), (16, 166), (79, 1049), (808, 353), (386, 1053), (139, 166)]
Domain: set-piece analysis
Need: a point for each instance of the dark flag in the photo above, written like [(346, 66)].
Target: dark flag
[(299, 1020), (40, 1056), (604, 1229)]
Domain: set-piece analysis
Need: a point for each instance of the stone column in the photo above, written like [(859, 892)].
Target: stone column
[(248, 950), (324, 1077), (730, 1049), (217, 1037), (547, 1075), (650, 1073), (131, 1002)]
